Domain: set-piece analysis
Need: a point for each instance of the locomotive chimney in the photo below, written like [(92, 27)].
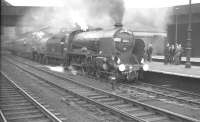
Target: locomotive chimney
[(118, 25)]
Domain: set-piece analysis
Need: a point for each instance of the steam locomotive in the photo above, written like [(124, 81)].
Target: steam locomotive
[(112, 54)]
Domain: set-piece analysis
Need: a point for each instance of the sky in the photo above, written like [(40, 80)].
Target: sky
[(128, 3)]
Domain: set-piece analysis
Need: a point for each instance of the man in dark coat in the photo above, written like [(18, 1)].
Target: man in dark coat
[(172, 53), (149, 52), (167, 54)]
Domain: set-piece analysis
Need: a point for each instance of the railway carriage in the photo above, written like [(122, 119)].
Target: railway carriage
[(23, 47)]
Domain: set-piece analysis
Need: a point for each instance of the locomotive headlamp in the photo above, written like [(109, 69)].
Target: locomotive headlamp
[(122, 67), (145, 67)]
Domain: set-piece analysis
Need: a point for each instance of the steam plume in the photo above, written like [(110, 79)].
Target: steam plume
[(114, 8), (147, 19), (95, 13)]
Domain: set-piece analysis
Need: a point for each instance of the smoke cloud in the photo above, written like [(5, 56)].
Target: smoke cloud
[(147, 19), (113, 8), (84, 13), (93, 14)]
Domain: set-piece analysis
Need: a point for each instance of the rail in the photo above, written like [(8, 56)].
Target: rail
[(49, 115), (126, 100)]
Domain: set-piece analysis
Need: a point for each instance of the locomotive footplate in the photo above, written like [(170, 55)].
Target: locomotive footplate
[(130, 73)]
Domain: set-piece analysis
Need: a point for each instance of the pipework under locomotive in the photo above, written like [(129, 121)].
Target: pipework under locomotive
[(113, 53)]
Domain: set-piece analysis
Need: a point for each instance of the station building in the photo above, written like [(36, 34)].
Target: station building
[(179, 20)]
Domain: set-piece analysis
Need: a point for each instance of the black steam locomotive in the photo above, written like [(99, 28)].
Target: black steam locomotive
[(113, 54)]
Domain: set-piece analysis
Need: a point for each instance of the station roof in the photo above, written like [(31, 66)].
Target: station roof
[(183, 9), (5, 3), (182, 13), (20, 10)]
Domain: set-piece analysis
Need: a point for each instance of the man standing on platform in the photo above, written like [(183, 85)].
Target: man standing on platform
[(149, 52), (167, 53), (181, 52), (177, 55), (172, 52)]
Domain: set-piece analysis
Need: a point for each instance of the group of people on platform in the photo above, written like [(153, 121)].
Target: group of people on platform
[(173, 53)]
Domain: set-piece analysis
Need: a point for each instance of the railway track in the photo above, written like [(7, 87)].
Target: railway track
[(16, 105), (178, 93), (118, 105), (191, 100)]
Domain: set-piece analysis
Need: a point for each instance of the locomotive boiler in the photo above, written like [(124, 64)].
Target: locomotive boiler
[(114, 53)]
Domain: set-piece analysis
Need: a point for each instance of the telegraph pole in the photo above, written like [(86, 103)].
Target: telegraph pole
[(188, 44), (176, 21)]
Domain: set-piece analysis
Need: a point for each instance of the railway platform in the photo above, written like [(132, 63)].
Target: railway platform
[(194, 60), (178, 70)]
